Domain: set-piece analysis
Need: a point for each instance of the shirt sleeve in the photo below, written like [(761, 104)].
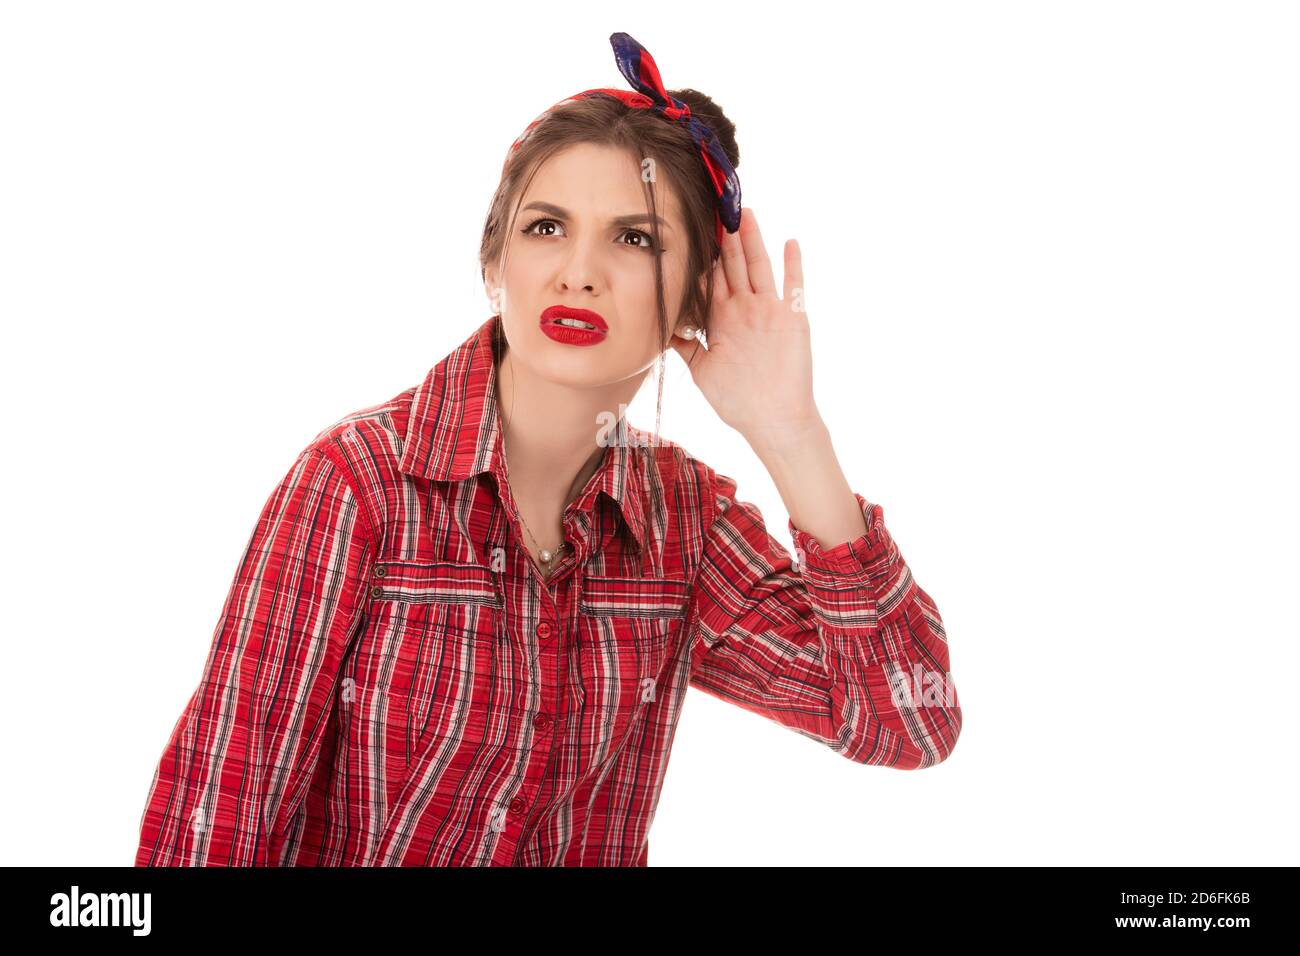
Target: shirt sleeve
[(844, 647), (234, 771)]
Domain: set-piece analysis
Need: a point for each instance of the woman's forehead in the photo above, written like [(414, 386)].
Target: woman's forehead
[(594, 181)]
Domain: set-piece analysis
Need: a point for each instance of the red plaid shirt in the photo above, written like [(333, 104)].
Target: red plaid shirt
[(392, 682)]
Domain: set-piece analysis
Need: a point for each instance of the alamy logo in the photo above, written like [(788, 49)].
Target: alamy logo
[(921, 688), (101, 909)]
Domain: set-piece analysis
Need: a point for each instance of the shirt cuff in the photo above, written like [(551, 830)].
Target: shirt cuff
[(867, 556), (855, 583)]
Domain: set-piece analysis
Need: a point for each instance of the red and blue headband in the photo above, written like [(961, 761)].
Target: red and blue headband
[(638, 67)]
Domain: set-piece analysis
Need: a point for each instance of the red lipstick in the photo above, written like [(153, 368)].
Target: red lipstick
[(573, 333)]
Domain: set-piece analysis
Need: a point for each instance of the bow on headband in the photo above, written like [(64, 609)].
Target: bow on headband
[(638, 67)]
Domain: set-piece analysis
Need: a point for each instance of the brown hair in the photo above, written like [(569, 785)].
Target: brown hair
[(644, 133)]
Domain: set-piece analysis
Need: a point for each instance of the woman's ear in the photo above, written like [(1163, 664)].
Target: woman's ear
[(495, 294)]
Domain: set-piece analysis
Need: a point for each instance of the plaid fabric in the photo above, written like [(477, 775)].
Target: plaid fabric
[(392, 683)]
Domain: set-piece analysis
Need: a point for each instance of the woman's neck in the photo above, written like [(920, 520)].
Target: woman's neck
[(553, 433)]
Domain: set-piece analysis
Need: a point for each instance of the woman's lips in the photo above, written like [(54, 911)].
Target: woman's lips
[(572, 334)]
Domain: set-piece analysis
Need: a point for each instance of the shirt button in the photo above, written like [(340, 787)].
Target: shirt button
[(542, 721), (380, 570), (544, 630), (376, 591), (517, 805)]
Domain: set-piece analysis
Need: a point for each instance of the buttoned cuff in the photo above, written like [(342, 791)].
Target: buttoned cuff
[(866, 556), (856, 582)]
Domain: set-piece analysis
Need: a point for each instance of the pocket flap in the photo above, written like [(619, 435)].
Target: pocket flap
[(436, 582), (634, 597)]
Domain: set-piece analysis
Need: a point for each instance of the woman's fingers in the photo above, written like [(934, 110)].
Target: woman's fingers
[(733, 263), (721, 287), (793, 275), (757, 264)]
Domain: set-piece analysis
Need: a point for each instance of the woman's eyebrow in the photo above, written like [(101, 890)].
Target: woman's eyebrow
[(629, 220)]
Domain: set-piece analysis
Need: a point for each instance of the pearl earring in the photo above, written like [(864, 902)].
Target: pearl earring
[(688, 332)]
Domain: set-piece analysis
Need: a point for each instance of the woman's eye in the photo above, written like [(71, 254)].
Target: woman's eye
[(648, 240), (528, 230)]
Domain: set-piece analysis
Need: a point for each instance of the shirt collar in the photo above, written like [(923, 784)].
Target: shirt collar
[(454, 432)]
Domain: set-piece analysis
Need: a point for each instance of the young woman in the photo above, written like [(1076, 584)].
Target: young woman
[(467, 618)]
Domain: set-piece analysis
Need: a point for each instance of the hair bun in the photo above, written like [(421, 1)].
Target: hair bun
[(709, 112)]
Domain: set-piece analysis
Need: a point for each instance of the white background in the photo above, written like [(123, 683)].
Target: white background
[(1051, 266)]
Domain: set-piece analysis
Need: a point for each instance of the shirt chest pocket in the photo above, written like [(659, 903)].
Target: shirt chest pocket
[(425, 668), (626, 631)]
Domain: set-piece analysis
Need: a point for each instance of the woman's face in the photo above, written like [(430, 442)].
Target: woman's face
[(582, 239)]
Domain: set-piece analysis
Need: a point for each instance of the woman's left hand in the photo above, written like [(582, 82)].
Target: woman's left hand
[(757, 370)]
